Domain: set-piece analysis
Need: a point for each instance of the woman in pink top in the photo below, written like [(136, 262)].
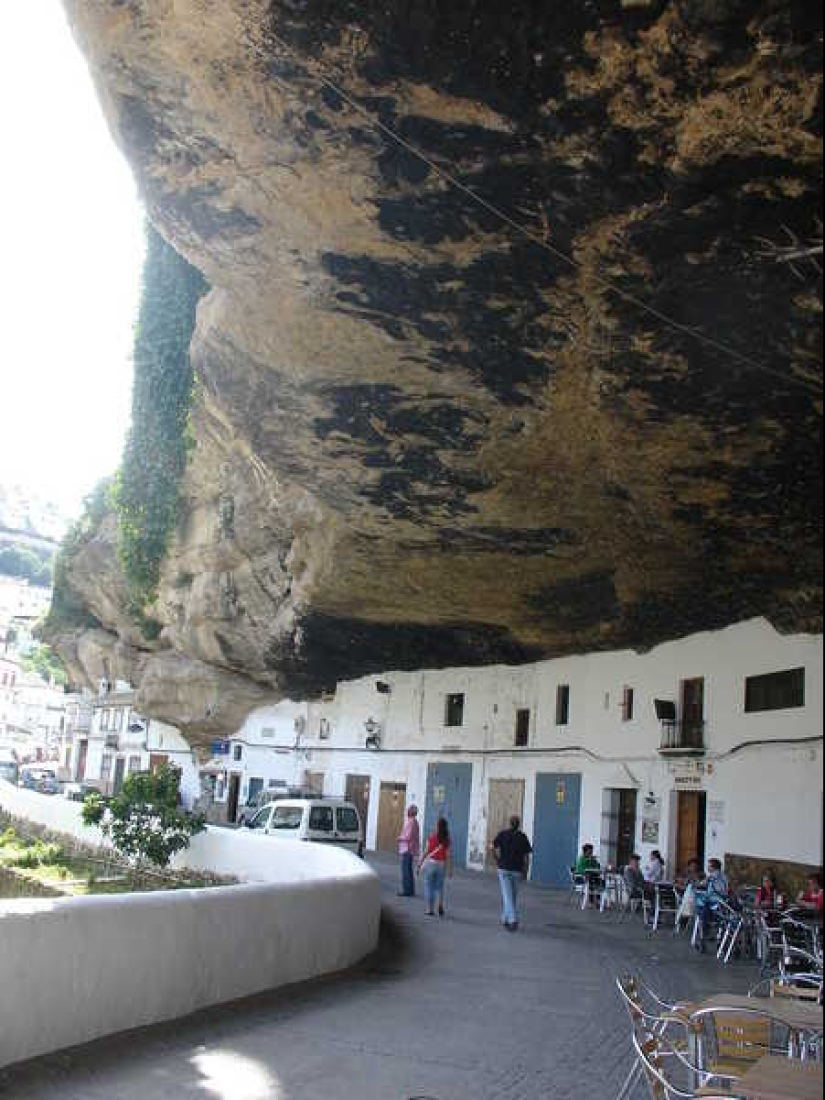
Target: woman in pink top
[(409, 849)]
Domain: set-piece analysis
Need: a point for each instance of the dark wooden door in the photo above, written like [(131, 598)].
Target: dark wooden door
[(392, 809), (82, 754), (232, 797), (690, 833), (693, 713), (626, 843), (120, 768), (358, 793)]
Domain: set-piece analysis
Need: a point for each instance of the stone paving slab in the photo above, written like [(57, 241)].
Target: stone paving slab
[(453, 1009)]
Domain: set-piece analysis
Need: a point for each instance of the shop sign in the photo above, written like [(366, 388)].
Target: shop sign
[(221, 748)]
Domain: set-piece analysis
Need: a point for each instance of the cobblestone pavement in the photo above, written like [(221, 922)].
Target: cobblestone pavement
[(453, 1009)]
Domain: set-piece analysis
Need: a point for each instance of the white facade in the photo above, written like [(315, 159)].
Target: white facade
[(121, 741), (758, 772)]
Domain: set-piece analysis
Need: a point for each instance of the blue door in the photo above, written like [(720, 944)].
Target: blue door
[(556, 828), (448, 795), (255, 786)]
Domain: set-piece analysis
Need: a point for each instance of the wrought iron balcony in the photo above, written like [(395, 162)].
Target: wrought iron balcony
[(685, 737)]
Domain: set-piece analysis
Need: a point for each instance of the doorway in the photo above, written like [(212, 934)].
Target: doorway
[(693, 714), (358, 793), (315, 782), (449, 787), (392, 810), (556, 829), (505, 800), (233, 796), (120, 768), (82, 753), (618, 839), (691, 823)]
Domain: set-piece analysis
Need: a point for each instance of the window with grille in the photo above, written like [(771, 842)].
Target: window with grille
[(522, 728), (563, 705), (454, 710), (628, 699), (775, 691)]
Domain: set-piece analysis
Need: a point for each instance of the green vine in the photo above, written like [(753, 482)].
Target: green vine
[(147, 491), (68, 609)]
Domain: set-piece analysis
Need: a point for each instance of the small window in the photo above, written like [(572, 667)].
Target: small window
[(320, 819), (134, 764), (775, 691), (287, 817), (105, 766), (237, 752), (563, 705), (324, 729), (261, 818), (348, 820), (268, 733), (454, 711), (522, 728), (628, 698)]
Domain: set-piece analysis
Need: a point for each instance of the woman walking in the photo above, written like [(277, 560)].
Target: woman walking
[(436, 864)]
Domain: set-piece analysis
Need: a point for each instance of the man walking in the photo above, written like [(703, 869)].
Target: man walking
[(512, 851), (409, 849)]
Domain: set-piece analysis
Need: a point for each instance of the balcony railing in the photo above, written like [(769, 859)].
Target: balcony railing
[(684, 736)]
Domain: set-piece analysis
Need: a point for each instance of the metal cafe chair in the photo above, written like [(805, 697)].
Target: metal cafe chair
[(578, 889), (649, 1013), (731, 1040), (731, 924), (667, 903), (651, 1052)]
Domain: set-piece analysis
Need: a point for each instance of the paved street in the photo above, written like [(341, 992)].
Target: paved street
[(448, 1010)]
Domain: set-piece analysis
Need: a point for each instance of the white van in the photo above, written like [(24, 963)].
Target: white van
[(324, 820)]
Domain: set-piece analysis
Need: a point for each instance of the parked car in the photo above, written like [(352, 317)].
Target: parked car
[(267, 795), (323, 820), (39, 777), (9, 769), (76, 792)]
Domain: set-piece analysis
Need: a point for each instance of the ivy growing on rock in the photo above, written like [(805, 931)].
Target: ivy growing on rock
[(67, 608), (147, 492)]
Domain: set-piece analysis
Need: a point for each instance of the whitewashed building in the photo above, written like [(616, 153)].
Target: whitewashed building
[(707, 746), (120, 741)]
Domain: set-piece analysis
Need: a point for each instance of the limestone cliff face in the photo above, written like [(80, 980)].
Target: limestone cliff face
[(423, 438)]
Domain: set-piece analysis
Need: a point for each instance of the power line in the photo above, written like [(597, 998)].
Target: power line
[(316, 72)]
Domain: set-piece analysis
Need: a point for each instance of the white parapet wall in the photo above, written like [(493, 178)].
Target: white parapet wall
[(76, 969)]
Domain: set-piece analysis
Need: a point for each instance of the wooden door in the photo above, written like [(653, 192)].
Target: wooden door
[(628, 799), (120, 768), (392, 810), (358, 793), (690, 831), (233, 797), (506, 799), (156, 761), (315, 782), (557, 827), (449, 790), (693, 714), (82, 754)]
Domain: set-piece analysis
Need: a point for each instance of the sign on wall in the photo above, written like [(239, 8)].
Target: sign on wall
[(221, 748), (651, 819), (688, 775)]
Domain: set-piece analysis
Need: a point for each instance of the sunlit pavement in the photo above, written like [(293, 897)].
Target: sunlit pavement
[(453, 1009)]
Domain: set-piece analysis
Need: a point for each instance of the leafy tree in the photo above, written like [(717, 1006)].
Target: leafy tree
[(45, 662), (19, 561), (145, 821)]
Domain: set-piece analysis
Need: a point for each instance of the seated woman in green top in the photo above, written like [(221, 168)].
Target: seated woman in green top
[(587, 863)]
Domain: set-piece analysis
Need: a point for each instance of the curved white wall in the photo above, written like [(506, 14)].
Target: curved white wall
[(74, 969)]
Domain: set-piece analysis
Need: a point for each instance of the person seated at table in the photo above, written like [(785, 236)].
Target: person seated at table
[(768, 892), (812, 899), (634, 879), (713, 889), (587, 864), (655, 870)]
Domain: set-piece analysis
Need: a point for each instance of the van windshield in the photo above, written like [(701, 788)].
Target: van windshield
[(287, 817)]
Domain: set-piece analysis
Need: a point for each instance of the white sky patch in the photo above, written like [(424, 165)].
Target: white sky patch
[(72, 253)]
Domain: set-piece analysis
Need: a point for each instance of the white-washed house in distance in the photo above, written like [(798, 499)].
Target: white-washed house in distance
[(706, 746), (121, 741)]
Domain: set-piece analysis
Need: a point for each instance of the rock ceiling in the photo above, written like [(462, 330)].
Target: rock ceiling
[(449, 412)]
